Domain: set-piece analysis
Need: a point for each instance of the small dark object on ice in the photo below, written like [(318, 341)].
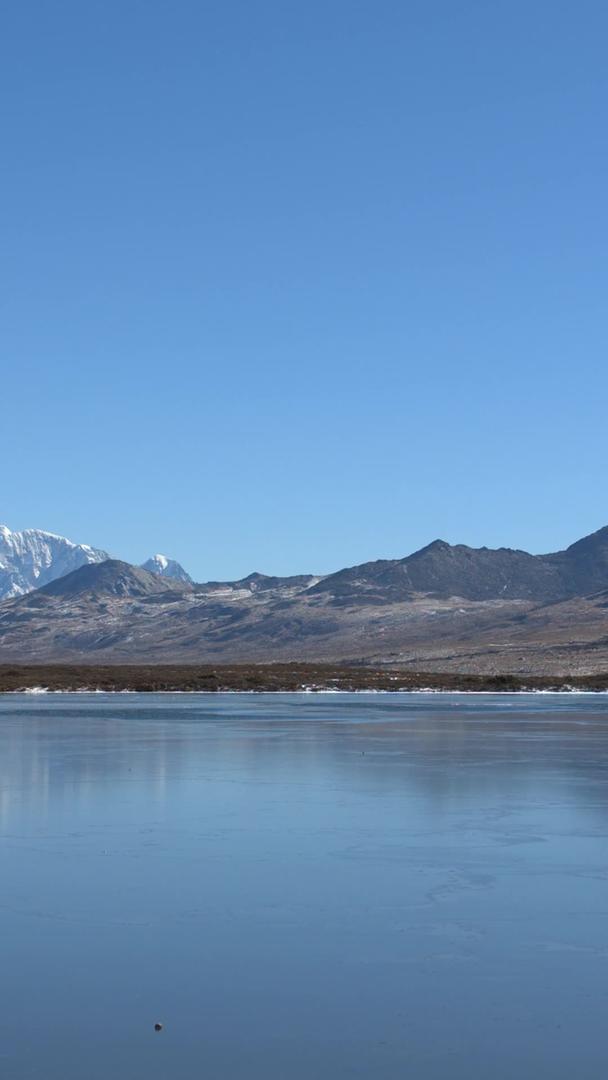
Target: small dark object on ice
[(158, 1027)]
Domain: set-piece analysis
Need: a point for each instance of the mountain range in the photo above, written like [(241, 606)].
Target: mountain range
[(443, 608), (33, 557)]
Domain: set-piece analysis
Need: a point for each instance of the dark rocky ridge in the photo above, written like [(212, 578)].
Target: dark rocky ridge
[(445, 570)]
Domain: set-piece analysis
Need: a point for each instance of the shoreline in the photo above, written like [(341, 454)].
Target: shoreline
[(41, 691), (277, 678)]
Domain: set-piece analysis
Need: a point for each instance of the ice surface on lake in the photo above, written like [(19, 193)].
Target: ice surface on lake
[(303, 887)]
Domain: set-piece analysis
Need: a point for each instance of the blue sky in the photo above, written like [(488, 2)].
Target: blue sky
[(288, 286)]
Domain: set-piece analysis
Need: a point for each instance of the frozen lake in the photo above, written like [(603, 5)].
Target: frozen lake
[(303, 887)]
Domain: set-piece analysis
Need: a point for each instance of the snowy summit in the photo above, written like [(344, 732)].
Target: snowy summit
[(165, 567), (32, 558)]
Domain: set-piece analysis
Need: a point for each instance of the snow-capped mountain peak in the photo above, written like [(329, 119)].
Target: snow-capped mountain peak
[(165, 567), (33, 557)]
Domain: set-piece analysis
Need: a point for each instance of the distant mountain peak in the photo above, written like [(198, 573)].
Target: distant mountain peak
[(32, 558), (165, 567), (435, 545)]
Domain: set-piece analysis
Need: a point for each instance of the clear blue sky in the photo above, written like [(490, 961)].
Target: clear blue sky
[(288, 286)]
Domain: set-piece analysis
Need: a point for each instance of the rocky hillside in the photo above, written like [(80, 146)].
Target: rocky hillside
[(444, 570)]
